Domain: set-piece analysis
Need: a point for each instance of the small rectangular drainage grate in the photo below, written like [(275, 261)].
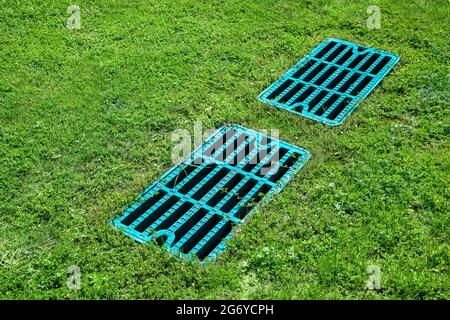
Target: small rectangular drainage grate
[(328, 84), (194, 206)]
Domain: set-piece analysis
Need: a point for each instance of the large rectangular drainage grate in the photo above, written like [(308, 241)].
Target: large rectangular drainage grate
[(194, 206), (328, 84)]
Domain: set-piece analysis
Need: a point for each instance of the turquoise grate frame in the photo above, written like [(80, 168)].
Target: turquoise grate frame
[(195, 207), (330, 82)]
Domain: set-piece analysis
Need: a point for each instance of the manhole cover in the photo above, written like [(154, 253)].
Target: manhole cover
[(328, 84), (194, 207)]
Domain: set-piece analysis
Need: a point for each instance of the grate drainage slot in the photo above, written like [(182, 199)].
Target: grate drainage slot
[(215, 240), (234, 200), (223, 140), (338, 108), (157, 213), (200, 233), (143, 207), (380, 65), (288, 164), (253, 201), (197, 178), (183, 174), (211, 183), (176, 215), (328, 103), (267, 166), (190, 223), (280, 89), (223, 192)]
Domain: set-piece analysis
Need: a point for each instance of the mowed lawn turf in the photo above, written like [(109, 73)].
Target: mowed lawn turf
[(86, 118)]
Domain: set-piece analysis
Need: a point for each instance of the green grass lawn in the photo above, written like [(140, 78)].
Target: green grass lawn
[(86, 118)]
